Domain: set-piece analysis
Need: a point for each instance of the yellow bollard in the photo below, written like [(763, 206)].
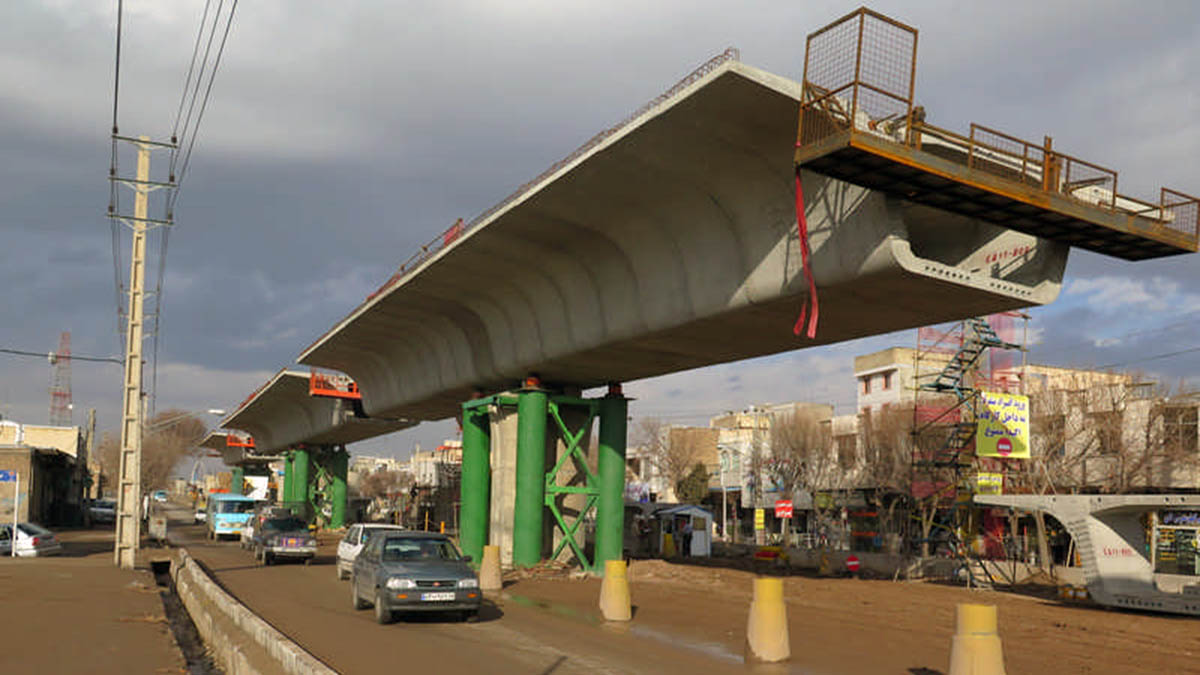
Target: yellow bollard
[(614, 592), (489, 569), (767, 638), (975, 649)]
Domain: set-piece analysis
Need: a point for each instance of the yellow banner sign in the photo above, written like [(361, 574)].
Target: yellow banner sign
[(760, 519), (1003, 426), (989, 483)]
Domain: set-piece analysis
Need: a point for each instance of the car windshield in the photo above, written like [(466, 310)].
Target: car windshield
[(235, 506), (284, 525), (418, 550), (32, 530)]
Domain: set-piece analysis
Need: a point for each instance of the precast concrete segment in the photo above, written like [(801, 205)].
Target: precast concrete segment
[(282, 414), (1111, 540), (672, 245)]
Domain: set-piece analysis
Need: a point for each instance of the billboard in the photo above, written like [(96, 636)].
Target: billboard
[(1002, 426)]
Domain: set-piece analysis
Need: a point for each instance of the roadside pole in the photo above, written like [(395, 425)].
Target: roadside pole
[(16, 511), (14, 478)]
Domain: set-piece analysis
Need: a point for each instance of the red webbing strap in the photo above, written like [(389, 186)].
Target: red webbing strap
[(802, 227)]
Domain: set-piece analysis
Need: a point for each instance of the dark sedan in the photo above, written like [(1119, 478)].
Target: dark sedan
[(413, 572), (276, 538)]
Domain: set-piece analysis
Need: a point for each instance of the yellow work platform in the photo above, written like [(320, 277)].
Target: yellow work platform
[(858, 124)]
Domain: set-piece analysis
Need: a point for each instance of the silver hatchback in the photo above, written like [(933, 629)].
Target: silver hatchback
[(413, 572)]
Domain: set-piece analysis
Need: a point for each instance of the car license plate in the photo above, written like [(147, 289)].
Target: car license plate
[(435, 597), (291, 542)]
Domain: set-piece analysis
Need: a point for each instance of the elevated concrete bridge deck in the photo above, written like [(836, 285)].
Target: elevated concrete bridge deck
[(282, 414), (671, 245)]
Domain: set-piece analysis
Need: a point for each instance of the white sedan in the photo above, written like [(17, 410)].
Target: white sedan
[(351, 544), (32, 540)]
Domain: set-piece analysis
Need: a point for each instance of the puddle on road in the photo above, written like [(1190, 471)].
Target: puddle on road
[(711, 649)]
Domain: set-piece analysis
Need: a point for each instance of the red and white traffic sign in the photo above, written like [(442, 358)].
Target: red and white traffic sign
[(783, 508), (1004, 446), (852, 564)]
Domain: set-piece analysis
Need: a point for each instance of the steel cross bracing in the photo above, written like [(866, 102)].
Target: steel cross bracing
[(574, 452)]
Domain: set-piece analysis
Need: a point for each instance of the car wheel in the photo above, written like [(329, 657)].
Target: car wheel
[(383, 616), (356, 601)]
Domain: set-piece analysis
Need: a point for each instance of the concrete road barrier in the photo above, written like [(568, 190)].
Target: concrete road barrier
[(614, 592), (767, 638), (489, 569), (975, 649), (241, 642)]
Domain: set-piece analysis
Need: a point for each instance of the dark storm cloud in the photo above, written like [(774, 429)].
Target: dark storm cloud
[(341, 136)]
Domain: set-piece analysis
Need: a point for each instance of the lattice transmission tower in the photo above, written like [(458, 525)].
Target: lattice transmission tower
[(60, 383)]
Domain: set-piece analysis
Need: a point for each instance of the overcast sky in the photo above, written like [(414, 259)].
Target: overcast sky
[(342, 135)]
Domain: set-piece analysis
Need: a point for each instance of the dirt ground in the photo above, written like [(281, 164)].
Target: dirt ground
[(77, 613), (859, 626)]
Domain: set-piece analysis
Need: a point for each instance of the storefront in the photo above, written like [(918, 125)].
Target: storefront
[(1175, 541)]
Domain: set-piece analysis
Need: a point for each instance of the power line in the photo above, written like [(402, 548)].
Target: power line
[(73, 357), (191, 138), (187, 82)]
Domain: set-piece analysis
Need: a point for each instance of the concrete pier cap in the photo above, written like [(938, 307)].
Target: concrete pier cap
[(671, 244)]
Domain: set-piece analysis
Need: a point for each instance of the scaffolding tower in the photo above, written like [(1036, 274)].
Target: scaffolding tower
[(952, 365)]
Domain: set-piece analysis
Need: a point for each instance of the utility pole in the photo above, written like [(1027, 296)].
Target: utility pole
[(129, 479)]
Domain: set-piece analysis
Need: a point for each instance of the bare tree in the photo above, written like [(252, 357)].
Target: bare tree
[(886, 437), (171, 437), (674, 451), (802, 456), (385, 484)]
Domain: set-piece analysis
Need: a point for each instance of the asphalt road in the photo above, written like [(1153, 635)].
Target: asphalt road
[(512, 635)]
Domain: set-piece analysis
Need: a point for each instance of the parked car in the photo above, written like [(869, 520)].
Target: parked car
[(276, 538), (352, 544), (160, 496), (32, 541), (103, 511), (227, 514), (413, 572)]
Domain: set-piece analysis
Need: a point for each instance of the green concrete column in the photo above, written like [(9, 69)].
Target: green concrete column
[(610, 508), (339, 464), (289, 475), (300, 470), (475, 482), (529, 501), (236, 479)]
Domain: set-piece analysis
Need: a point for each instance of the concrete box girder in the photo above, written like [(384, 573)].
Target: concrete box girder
[(283, 414), (672, 245)]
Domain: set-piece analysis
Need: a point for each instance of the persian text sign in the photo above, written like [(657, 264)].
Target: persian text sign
[(1003, 426), (989, 483)]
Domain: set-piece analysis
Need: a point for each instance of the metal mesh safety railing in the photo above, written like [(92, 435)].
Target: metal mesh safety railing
[(858, 74)]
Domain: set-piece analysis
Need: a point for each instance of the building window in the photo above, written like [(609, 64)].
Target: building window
[(866, 384), (847, 450), (887, 380)]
